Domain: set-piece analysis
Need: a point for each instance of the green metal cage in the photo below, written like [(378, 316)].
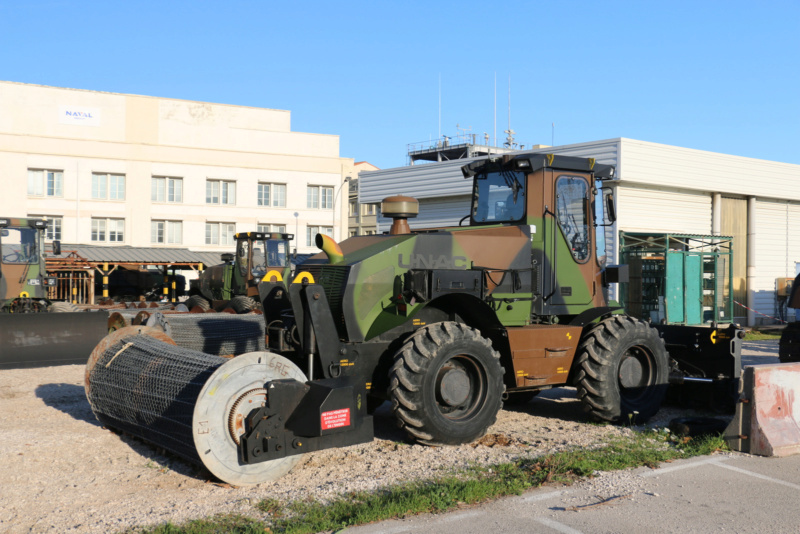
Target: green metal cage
[(678, 278)]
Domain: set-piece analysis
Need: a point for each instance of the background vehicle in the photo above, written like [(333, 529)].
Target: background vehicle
[(789, 350), (23, 278), (235, 282), (28, 337)]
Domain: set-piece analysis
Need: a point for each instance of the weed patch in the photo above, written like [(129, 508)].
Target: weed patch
[(472, 486)]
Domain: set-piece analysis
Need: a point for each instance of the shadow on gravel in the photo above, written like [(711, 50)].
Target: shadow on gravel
[(68, 398), (555, 403), (71, 400), (386, 425)]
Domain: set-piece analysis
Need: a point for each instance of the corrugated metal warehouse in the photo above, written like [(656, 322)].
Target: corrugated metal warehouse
[(658, 188)]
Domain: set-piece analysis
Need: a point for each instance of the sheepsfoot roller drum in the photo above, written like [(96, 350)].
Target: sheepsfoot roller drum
[(247, 420)]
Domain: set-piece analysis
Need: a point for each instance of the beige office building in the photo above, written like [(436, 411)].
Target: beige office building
[(116, 169)]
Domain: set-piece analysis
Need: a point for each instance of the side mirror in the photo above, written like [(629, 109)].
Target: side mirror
[(56, 248), (611, 209)]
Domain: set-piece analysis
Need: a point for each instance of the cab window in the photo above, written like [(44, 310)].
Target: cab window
[(241, 256), (259, 265), (499, 197), (277, 253), (20, 245), (572, 195)]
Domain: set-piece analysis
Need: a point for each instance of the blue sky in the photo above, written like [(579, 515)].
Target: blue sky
[(711, 75)]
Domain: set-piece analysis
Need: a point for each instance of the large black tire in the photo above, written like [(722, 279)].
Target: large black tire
[(446, 384), (242, 304), (789, 347), (623, 370), (197, 300), (63, 307)]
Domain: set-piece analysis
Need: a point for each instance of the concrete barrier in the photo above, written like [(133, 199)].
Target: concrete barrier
[(767, 420)]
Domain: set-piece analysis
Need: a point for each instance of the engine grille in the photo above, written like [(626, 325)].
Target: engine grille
[(333, 279)]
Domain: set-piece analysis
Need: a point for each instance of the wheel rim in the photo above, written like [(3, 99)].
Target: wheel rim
[(460, 387), (637, 371)]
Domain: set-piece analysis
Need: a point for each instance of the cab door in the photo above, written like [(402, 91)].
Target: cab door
[(572, 283)]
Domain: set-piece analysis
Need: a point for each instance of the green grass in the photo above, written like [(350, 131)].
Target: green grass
[(445, 493), (754, 335)]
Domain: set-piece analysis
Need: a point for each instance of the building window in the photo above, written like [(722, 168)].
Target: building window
[(353, 233), (318, 196), (108, 230), (370, 232), (220, 233), (166, 189), (368, 209), (353, 209), (220, 192), (53, 230), (108, 186), (272, 195), (170, 232), (312, 231), (268, 228), (44, 183)]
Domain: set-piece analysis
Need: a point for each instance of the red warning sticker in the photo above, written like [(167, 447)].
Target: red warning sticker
[(335, 419)]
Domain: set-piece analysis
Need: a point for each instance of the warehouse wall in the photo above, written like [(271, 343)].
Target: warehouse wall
[(777, 251)]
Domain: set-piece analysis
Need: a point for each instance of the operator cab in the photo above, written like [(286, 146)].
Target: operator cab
[(257, 253)]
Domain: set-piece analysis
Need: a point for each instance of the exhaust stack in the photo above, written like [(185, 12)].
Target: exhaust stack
[(330, 247)]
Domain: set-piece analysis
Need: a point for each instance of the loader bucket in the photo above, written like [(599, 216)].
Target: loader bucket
[(44, 339)]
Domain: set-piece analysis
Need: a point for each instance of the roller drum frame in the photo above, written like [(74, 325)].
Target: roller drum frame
[(190, 403), (219, 334)]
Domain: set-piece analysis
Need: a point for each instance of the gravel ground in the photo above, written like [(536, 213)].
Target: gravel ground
[(63, 472)]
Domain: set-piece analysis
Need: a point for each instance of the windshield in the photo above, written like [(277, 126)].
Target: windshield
[(275, 258), (499, 197), (20, 245)]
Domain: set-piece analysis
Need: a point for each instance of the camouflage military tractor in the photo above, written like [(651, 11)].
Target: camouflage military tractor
[(447, 324), (23, 279), (29, 338), (234, 282)]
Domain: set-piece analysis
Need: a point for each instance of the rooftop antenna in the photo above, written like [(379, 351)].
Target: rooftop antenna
[(440, 106), (495, 108), (465, 131), (509, 133)]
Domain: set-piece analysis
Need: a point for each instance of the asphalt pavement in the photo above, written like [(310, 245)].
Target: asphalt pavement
[(728, 492), (718, 493)]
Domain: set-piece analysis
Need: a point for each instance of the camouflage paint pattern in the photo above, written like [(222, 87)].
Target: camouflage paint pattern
[(22, 264), (373, 268)]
